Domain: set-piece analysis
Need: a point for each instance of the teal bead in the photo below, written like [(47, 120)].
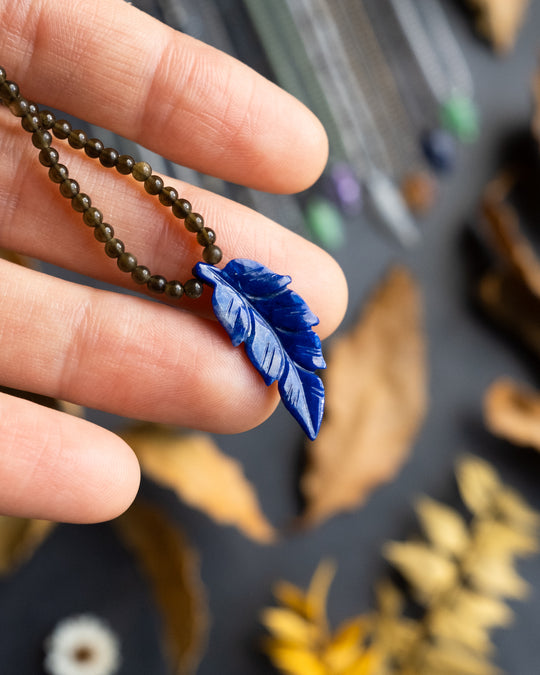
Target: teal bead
[(459, 115), (325, 223)]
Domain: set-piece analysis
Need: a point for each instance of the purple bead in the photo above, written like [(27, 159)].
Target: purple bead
[(440, 149), (343, 187)]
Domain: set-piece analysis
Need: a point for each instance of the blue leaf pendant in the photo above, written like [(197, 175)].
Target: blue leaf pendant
[(255, 306)]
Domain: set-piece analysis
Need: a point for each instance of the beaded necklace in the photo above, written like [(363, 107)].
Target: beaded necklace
[(250, 301)]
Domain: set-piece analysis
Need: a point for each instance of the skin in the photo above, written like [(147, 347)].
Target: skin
[(116, 67)]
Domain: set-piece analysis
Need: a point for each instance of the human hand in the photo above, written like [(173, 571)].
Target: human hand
[(114, 66)]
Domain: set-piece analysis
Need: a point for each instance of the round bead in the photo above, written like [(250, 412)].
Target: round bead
[(69, 188), (41, 139), (103, 232), (125, 164), (181, 208), (48, 156), (32, 108), (193, 288), (212, 254), (141, 274), (47, 119), (81, 202), (108, 157), (19, 106), (419, 191), (206, 236), (114, 248), (168, 196), (174, 289), (156, 283), (77, 139), (58, 173), (459, 115), (93, 217), (30, 122), (93, 147), (127, 262), (153, 185), (61, 129), (325, 222), (8, 91), (440, 149), (2, 75), (142, 171), (194, 222)]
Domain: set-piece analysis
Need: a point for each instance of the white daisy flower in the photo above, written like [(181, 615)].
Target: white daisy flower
[(82, 645)]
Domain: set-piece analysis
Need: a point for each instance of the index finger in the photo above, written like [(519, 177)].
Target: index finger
[(114, 66)]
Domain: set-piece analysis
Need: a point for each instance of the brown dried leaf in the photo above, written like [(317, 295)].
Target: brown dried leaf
[(512, 410), (481, 610), (19, 539), (449, 625), (172, 569), (376, 398), (443, 526), (494, 575), (451, 659), (498, 538), (289, 627), (195, 468), (500, 20), (478, 484)]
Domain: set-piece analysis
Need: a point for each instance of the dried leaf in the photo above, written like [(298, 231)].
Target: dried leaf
[(443, 526), (516, 512), (495, 575), (345, 650), (450, 625), (294, 660), (19, 539), (500, 539), (376, 400), (481, 610), (478, 484), (292, 597), (512, 411), (289, 627), (195, 468), (450, 659), (172, 569), (317, 593), (500, 20)]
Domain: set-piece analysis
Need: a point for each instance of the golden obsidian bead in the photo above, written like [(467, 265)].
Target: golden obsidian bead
[(153, 185), (30, 122), (193, 288), (126, 262), (103, 232), (212, 254), (174, 289), (156, 283), (141, 274), (168, 196), (194, 222), (181, 208), (142, 171), (81, 202), (58, 173), (8, 91), (125, 164), (69, 188), (46, 119), (108, 157), (48, 156), (206, 236), (114, 248), (93, 147), (93, 216), (77, 139), (61, 129), (19, 106), (41, 139)]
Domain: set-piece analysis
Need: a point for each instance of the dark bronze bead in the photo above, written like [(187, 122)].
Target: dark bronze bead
[(77, 139), (69, 188), (30, 122), (8, 91), (47, 119), (19, 106), (168, 196), (193, 288), (114, 248), (58, 173), (127, 262), (142, 171), (212, 254), (48, 156), (206, 236), (153, 185), (108, 157), (93, 216), (33, 109), (194, 222), (81, 202), (61, 129), (141, 274), (174, 289), (181, 208), (156, 283), (2, 75), (41, 139), (125, 164), (93, 147), (103, 232)]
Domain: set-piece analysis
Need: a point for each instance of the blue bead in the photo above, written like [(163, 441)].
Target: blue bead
[(440, 149)]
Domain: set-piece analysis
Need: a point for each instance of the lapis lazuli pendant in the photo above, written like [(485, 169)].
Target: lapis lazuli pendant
[(255, 307)]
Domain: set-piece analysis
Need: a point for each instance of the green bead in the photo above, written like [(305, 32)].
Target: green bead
[(325, 223), (459, 115)]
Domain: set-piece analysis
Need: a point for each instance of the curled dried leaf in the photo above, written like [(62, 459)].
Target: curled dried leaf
[(478, 484), (448, 624), (289, 627), (500, 538), (447, 658), (195, 468), (19, 539), (443, 526), (499, 21), (294, 660), (481, 610), (516, 512), (376, 399), (512, 411), (495, 575)]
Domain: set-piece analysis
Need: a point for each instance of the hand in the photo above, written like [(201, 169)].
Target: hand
[(116, 67)]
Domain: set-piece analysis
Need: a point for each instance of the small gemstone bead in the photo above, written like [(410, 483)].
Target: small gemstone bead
[(93, 147), (181, 208), (141, 274), (153, 185), (103, 232), (174, 289), (114, 248), (168, 196), (61, 129), (69, 188), (142, 171), (206, 236), (81, 202), (193, 288), (47, 119), (30, 122), (440, 149), (2, 75), (125, 164), (58, 173), (127, 262), (8, 91), (194, 222), (93, 216), (156, 283), (41, 139), (77, 139), (19, 106), (108, 157), (48, 156), (32, 108), (460, 116), (325, 222), (212, 254), (419, 191)]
